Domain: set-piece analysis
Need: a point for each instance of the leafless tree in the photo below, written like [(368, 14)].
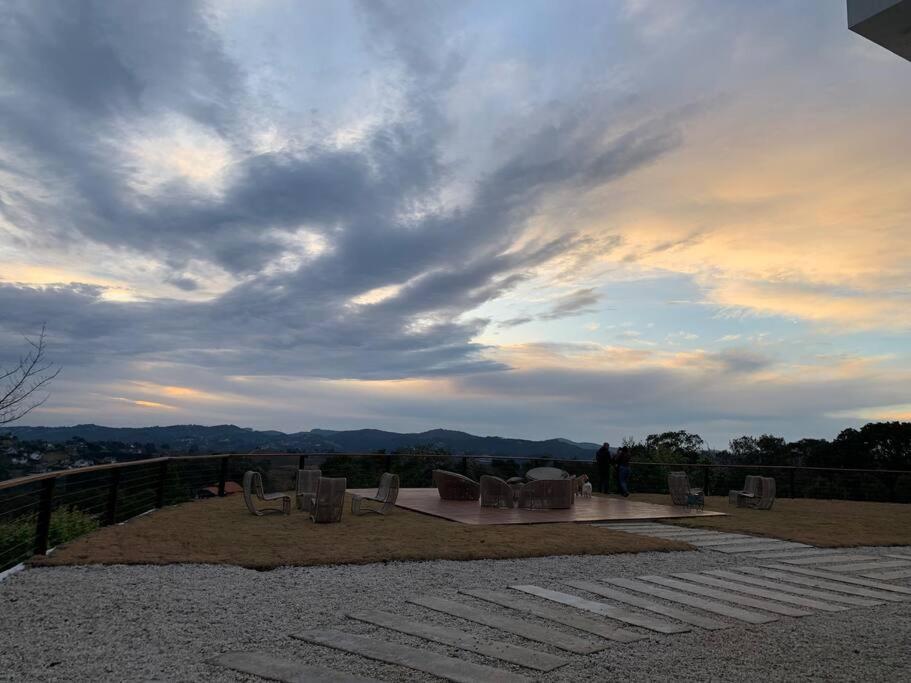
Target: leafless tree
[(22, 386)]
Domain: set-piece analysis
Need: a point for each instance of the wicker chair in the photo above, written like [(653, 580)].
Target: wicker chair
[(307, 481), (386, 496), (750, 488), (547, 494), (329, 501), (763, 499), (253, 485), (454, 486), (496, 493), (678, 483)]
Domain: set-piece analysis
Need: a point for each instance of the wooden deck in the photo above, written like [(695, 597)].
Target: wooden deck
[(594, 509)]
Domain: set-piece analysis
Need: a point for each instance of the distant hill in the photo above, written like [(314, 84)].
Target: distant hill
[(231, 438)]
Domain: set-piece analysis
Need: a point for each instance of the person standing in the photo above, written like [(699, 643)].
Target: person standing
[(603, 459), (623, 470)]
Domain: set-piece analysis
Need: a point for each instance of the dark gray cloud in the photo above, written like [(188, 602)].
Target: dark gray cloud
[(78, 77)]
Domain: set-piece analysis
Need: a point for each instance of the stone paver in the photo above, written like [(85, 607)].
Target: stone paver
[(449, 668), (634, 600), (514, 654), (762, 592), (815, 582), (699, 603), (577, 621), (618, 613), (717, 594), (756, 578), (832, 576), (829, 559), (888, 576), (759, 547), (525, 629), (868, 566)]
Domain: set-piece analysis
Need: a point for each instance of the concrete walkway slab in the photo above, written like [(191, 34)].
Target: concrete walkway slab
[(753, 576), (868, 566), (282, 669), (889, 576), (795, 554), (618, 613), (634, 600), (832, 576), (717, 594), (829, 559), (759, 547), (699, 603), (778, 595), (598, 628), (837, 586), (742, 540), (514, 654), (528, 630), (448, 668)]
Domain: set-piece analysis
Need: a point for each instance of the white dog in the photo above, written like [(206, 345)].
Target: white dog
[(587, 490)]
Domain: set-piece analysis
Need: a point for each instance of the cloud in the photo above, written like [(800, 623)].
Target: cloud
[(372, 205), (576, 303), (195, 205)]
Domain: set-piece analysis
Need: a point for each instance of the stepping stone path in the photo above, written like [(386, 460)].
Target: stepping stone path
[(575, 618), (707, 539)]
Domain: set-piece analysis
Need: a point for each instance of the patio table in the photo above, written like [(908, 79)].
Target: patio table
[(545, 473)]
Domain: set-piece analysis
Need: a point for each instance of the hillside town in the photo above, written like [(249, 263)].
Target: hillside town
[(19, 458)]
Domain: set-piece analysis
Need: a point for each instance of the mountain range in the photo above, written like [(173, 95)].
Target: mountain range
[(231, 438)]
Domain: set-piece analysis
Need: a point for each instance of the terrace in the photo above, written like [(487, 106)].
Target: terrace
[(611, 585)]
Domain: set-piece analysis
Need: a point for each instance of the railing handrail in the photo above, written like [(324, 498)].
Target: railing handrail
[(28, 479)]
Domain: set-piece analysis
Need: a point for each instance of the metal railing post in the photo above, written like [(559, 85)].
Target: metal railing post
[(792, 491), (43, 529), (111, 513), (389, 462), (465, 466), (302, 461), (162, 480), (705, 480), (222, 477)]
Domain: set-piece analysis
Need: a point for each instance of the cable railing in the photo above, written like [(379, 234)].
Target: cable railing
[(41, 511)]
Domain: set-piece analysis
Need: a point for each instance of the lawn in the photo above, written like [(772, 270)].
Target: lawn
[(221, 531), (825, 523)]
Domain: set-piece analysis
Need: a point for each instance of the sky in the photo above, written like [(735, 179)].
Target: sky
[(533, 219)]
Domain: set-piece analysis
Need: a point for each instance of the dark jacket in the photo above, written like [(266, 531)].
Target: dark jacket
[(603, 458), (623, 456)]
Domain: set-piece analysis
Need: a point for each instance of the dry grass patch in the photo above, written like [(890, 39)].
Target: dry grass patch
[(825, 523), (221, 531)]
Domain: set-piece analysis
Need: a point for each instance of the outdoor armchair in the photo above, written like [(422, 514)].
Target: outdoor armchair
[(750, 490), (307, 481), (253, 486), (385, 496), (496, 493), (547, 494), (678, 483), (762, 499), (329, 501), (454, 486)]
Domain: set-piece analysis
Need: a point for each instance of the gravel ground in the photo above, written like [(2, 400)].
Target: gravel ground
[(144, 623)]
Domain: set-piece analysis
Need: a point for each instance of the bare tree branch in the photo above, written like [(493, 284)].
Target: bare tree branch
[(22, 385)]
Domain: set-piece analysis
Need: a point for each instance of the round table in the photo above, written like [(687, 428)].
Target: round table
[(544, 473)]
